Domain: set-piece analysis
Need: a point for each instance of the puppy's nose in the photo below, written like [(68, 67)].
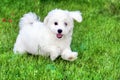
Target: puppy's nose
[(59, 31)]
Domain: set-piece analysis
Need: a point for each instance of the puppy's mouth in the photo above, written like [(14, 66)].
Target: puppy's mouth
[(59, 35)]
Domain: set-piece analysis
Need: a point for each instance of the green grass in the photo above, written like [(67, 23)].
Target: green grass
[(97, 40)]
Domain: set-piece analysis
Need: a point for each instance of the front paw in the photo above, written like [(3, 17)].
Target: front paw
[(53, 57), (71, 56)]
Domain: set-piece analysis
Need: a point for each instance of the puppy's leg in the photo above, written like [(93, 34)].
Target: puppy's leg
[(67, 54), (18, 47), (54, 53)]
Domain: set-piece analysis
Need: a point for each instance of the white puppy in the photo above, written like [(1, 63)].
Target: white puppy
[(49, 38)]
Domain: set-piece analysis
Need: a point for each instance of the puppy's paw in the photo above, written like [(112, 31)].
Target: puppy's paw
[(18, 50), (71, 56), (53, 57)]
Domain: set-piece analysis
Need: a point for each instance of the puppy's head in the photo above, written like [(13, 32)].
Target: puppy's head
[(60, 22)]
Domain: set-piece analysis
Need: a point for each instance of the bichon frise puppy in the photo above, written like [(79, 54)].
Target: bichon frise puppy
[(49, 38)]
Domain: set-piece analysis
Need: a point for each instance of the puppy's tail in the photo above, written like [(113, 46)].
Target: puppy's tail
[(28, 19)]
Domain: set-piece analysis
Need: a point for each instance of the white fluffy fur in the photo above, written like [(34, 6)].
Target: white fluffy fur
[(40, 38)]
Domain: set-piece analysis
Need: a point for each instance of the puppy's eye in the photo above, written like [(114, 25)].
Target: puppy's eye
[(65, 24), (55, 23)]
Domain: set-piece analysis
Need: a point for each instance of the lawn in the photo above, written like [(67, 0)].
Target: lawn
[(96, 39)]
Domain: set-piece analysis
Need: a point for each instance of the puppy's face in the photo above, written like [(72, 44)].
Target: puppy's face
[(60, 22)]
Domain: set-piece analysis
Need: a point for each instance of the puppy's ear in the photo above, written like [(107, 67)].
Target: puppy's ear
[(46, 20), (76, 15)]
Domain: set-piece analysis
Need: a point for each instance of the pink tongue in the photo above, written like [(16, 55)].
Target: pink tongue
[(59, 35)]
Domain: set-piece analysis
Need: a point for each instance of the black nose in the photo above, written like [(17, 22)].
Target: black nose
[(59, 31)]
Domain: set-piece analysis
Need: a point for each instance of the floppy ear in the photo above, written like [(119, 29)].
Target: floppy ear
[(76, 15), (46, 20)]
